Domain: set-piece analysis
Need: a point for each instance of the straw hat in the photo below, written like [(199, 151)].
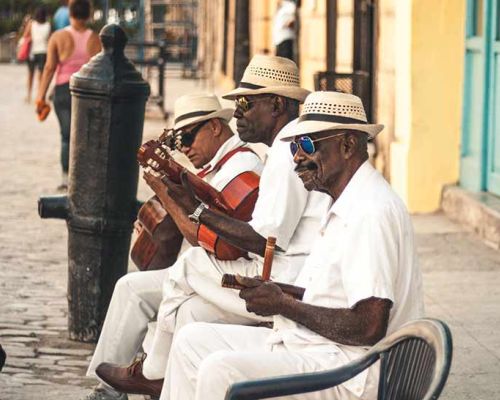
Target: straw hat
[(324, 111), (270, 74), (190, 109)]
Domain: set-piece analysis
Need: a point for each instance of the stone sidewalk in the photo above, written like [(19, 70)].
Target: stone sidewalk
[(461, 274)]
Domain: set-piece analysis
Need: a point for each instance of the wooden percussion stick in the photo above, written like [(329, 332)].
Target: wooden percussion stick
[(268, 258)]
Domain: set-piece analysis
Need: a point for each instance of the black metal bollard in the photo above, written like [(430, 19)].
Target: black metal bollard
[(108, 104)]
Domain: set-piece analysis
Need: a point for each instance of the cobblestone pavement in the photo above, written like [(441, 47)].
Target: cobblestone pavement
[(33, 309), (461, 274), (33, 256)]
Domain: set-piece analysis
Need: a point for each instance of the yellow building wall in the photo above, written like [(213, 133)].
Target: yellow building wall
[(426, 153), (384, 82), (312, 41), (261, 18)]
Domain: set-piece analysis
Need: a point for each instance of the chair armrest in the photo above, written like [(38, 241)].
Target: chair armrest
[(299, 383)]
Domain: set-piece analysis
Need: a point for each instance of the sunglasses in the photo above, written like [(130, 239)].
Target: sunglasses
[(306, 144), (244, 104), (186, 138)]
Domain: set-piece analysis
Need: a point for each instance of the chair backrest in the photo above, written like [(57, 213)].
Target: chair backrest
[(415, 361)]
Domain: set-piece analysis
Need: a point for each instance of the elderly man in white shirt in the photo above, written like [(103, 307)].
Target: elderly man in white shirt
[(361, 279), (204, 136), (267, 99)]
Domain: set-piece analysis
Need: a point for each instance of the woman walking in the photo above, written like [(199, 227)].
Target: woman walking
[(68, 50), (38, 31)]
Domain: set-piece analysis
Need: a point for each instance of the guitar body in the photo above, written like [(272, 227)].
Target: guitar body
[(158, 241), (240, 196), (237, 199)]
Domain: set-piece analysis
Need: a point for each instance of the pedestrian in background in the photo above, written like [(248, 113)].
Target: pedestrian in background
[(284, 29), (68, 50), (37, 30), (61, 16)]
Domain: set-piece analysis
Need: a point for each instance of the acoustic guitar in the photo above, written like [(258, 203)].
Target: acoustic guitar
[(237, 199), (158, 239)]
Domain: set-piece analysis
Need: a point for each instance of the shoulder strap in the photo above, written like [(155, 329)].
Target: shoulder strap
[(228, 155), (207, 170)]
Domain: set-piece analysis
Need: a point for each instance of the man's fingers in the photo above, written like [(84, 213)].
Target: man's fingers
[(184, 179), (166, 180), (248, 282)]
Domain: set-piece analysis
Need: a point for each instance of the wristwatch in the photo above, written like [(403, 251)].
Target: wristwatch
[(195, 216)]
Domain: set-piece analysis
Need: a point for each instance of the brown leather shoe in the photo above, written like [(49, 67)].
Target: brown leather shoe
[(129, 379)]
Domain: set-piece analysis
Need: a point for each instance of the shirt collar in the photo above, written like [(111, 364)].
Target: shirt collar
[(352, 193), (292, 125), (230, 144)]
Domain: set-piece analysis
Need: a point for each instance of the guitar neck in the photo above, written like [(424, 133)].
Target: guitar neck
[(206, 193)]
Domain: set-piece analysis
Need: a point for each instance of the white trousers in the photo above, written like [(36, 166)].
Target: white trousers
[(206, 359), (193, 285), (198, 272), (134, 304), (186, 292)]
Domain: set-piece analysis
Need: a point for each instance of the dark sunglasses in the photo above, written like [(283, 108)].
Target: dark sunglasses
[(186, 138), (307, 144), (244, 104)]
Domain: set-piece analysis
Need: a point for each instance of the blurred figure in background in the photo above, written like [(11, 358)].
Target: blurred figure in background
[(38, 31), (284, 29), (61, 16), (68, 50)]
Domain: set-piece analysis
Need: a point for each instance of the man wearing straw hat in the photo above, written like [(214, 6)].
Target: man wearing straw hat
[(361, 280), (267, 100), (204, 136)]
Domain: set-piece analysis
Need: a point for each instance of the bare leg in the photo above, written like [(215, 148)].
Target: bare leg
[(31, 73)]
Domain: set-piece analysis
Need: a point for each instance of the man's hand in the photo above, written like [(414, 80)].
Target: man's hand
[(155, 183), (262, 297), (182, 194)]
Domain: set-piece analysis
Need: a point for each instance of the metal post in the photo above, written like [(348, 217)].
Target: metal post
[(108, 103)]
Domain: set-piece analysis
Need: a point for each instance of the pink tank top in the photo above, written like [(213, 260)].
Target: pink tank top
[(79, 56)]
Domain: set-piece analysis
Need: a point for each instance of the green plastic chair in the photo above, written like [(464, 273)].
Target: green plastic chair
[(414, 365)]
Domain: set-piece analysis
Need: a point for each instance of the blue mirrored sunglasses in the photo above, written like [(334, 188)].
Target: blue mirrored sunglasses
[(307, 144)]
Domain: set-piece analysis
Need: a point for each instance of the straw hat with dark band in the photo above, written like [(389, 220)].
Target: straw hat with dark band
[(325, 111), (270, 75), (190, 109)]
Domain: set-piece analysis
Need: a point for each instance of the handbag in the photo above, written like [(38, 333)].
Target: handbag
[(23, 50)]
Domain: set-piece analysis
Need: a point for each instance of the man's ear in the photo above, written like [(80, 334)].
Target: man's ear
[(278, 106), (216, 126), (349, 143)]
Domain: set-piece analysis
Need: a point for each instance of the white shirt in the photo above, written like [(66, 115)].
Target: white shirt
[(39, 37), (284, 16), (238, 163), (284, 208), (365, 248)]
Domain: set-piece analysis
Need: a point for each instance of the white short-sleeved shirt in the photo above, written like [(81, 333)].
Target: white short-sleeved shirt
[(284, 208), (237, 164), (365, 248)]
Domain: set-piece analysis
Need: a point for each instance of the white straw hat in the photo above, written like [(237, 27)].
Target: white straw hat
[(324, 111), (270, 74), (190, 109)]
